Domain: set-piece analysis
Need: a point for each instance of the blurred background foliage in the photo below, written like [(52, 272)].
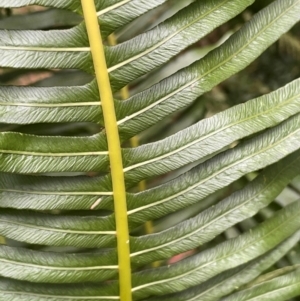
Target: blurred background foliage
[(279, 65)]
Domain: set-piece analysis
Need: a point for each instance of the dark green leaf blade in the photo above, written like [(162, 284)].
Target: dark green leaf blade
[(23, 153), (142, 54), (34, 266), (147, 108), (14, 290), (43, 19), (29, 105), (74, 5), (208, 224), (279, 289), (46, 49), (218, 172), (230, 254), (227, 282), (52, 193), (56, 230), (212, 134)]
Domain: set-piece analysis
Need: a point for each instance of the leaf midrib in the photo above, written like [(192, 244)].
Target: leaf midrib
[(46, 49), (57, 268), (62, 296), (40, 154), (49, 105), (112, 7), (71, 193)]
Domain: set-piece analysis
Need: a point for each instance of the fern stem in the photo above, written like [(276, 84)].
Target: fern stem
[(134, 141), (114, 147), (2, 240)]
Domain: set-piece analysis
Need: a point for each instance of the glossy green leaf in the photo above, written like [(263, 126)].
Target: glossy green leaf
[(22, 153), (29, 105), (50, 193), (47, 267), (187, 146), (43, 229), (11, 289), (211, 262), (44, 19), (66, 4), (160, 44), (45, 49), (218, 172), (208, 224), (109, 12), (212, 134), (268, 33), (178, 91), (69, 48), (59, 49), (281, 289), (226, 282)]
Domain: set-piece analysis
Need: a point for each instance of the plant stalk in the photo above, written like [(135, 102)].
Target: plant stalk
[(114, 147)]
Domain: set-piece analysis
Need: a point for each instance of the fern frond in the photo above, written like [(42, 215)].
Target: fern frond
[(70, 200)]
